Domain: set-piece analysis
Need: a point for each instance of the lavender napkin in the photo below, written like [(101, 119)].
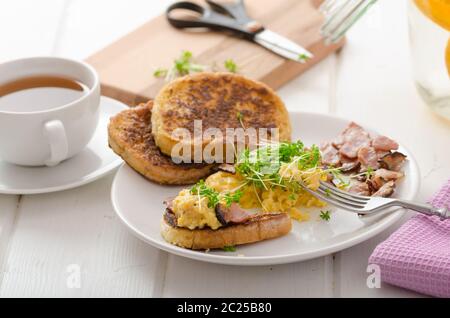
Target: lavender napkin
[(417, 255)]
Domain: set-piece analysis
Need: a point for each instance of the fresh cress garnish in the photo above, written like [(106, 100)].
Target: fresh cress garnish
[(182, 66), (230, 65), (261, 166), (214, 197), (232, 197), (239, 117), (325, 215), (185, 65), (229, 248), (303, 57)]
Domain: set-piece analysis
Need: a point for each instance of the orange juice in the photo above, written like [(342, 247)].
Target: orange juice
[(436, 10), (430, 44)]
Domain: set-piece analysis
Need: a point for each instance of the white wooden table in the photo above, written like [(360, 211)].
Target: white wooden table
[(369, 81)]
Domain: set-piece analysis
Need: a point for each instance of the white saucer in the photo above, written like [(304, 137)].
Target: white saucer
[(96, 160)]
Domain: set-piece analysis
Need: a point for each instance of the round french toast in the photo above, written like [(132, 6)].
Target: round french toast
[(129, 135), (220, 101)]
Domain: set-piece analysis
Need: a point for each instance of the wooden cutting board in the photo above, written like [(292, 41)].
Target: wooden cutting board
[(126, 67)]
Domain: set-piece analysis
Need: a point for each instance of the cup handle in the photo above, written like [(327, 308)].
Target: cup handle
[(57, 139)]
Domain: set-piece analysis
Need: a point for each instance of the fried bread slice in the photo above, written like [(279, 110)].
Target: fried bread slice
[(219, 100), (258, 228), (129, 135)]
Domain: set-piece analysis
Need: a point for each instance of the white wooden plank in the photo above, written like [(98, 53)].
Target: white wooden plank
[(28, 27), (91, 25), (191, 278), (77, 227), (310, 91), (375, 88), (8, 209), (34, 37)]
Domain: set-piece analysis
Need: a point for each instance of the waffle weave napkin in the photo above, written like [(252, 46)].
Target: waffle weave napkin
[(417, 255)]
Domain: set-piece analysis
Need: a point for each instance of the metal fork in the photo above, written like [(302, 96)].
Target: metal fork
[(368, 205), (340, 15)]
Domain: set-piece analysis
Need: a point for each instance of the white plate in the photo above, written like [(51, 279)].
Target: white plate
[(138, 204), (93, 162)]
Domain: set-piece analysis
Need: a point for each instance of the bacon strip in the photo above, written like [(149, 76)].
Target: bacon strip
[(330, 155), (386, 190), (368, 158), (382, 175), (354, 137), (232, 214), (393, 161), (384, 143), (360, 188), (169, 202), (226, 167)]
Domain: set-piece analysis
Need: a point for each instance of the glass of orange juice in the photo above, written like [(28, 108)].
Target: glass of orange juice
[(429, 22)]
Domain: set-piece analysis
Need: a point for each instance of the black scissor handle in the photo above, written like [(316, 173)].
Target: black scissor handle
[(210, 18), (185, 23)]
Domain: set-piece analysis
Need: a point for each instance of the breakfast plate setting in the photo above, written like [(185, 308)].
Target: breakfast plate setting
[(237, 213), (139, 205), (216, 169), (210, 164)]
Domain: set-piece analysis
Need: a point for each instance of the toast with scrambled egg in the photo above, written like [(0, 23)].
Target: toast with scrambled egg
[(220, 100), (202, 217), (129, 135), (257, 228)]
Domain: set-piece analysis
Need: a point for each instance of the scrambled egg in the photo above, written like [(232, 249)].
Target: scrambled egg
[(310, 177), (193, 212), (225, 182), (275, 199)]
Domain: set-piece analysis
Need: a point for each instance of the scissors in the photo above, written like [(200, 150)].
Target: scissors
[(232, 16)]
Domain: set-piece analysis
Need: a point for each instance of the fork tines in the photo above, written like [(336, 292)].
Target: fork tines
[(335, 195), (339, 198)]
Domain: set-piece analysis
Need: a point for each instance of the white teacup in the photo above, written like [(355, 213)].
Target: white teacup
[(36, 137)]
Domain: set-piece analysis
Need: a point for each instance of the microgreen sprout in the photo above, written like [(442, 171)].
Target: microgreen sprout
[(229, 248), (240, 117), (214, 197), (262, 166), (183, 65), (337, 174), (229, 198), (303, 57), (325, 215), (202, 190), (368, 173), (230, 65), (160, 72)]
